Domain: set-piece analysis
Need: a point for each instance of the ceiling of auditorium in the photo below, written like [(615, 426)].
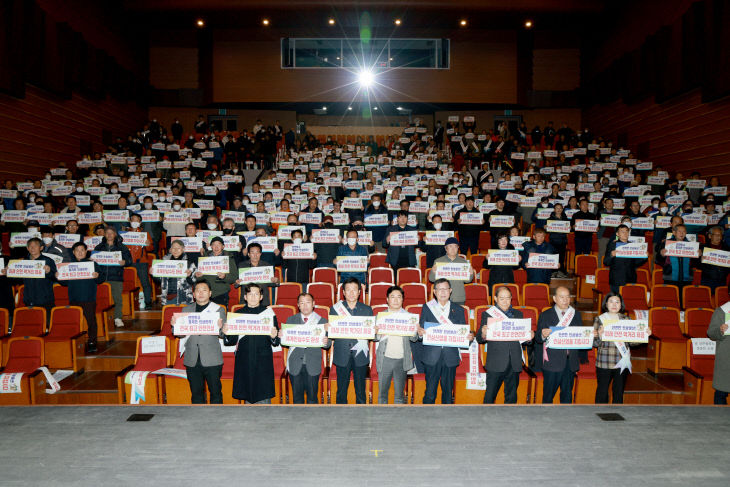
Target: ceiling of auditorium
[(526, 6), (348, 14)]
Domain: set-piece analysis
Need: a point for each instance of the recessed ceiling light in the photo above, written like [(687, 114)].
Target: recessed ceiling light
[(331, 21), (375, 108), (265, 21), (463, 22), (399, 108), (324, 108), (397, 21), (528, 24), (200, 23), (349, 108)]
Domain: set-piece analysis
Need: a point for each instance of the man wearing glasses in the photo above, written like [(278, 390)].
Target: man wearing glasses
[(440, 362)]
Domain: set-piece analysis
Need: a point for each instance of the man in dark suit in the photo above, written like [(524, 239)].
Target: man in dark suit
[(440, 362), (203, 357), (504, 359), (349, 355), (561, 365), (305, 363), (438, 134), (400, 256)]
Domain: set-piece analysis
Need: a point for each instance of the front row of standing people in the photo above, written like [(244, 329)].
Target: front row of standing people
[(396, 356)]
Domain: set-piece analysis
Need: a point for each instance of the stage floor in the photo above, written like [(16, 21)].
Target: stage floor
[(379, 446)]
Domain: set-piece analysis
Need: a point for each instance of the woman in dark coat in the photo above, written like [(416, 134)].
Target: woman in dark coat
[(253, 375), (501, 274)]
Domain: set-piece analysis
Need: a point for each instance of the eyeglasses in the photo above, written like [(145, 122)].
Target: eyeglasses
[(442, 289)]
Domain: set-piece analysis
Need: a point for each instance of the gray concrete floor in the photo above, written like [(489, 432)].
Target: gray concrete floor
[(445, 446)]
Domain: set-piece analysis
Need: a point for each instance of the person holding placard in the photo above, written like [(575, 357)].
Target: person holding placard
[(559, 240), (39, 292), (393, 356), (622, 270), (458, 295), (440, 362), (352, 249), (583, 240), (297, 270), (178, 290), (605, 233), (51, 246), (504, 358), (714, 275), (501, 273), (114, 274), (608, 354), (400, 255), (468, 233), (255, 260), (203, 358), (82, 293), (350, 355), (304, 364), (253, 375), (220, 282), (558, 366), (139, 261), (327, 251), (718, 332), (376, 208), (677, 271), (537, 245)]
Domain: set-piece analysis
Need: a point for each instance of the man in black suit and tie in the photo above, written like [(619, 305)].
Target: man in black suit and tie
[(440, 362), (350, 355), (558, 366), (504, 359)]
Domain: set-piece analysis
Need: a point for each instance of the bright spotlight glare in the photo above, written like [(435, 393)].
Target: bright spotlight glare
[(366, 78)]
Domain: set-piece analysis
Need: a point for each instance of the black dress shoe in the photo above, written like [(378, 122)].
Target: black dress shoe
[(91, 347)]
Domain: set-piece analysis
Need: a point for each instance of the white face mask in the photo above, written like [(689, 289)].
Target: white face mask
[(376, 204), (79, 188), (132, 199), (31, 199), (176, 207), (628, 224), (162, 198), (544, 205), (148, 206), (134, 224), (48, 176), (212, 226), (235, 170), (655, 205), (437, 226), (297, 241), (351, 241), (115, 190), (47, 240), (663, 210)]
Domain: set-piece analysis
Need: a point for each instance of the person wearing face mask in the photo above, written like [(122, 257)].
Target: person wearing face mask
[(541, 210), (297, 270), (326, 252), (433, 251), (220, 283), (175, 229), (178, 290), (605, 234), (501, 273), (687, 209), (139, 261), (114, 274), (51, 247), (376, 207), (622, 270), (660, 233), (677, 271), (153, 229), (352, 249)]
